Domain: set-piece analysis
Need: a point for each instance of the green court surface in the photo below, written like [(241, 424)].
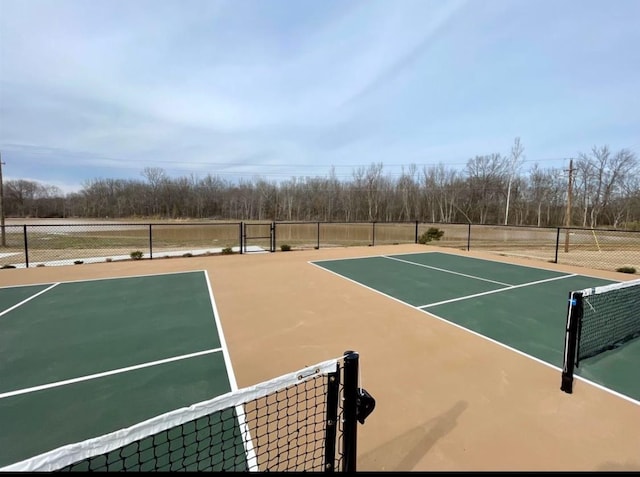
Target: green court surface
[(523, 308), (82, 359)]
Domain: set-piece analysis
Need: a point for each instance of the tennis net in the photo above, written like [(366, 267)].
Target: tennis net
[(599, 319), (302, 421)]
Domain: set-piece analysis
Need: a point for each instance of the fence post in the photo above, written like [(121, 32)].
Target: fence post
[(26, 247), (469, 237), (373, 233), (273, 237), (557, 244), (150, 243), (241, 235), (318, 247), (416, 238)]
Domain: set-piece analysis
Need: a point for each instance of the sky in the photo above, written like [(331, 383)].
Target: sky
[(276, 89)]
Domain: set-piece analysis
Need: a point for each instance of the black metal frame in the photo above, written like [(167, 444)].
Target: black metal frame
[(572, 340)]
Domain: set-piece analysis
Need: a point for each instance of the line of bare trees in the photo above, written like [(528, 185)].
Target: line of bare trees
[(491, 189)]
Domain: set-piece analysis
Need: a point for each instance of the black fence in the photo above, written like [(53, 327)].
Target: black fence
[(68, 244)]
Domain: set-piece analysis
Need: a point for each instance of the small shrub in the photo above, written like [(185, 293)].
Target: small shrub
[(432, 233), (78, 262), (285, 248), (188, 254), (136, 255), (227, 251), (8, 266), (40, 265), (109, 259), (626, 270)]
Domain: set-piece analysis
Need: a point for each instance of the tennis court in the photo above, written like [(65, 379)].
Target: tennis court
[(462, 352), (83, 358), (516, 306)]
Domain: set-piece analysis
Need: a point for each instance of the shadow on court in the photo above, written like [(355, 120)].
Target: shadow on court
[(405, 452)]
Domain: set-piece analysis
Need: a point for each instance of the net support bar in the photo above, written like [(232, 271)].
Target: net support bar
[(350, 396), (574, 317)]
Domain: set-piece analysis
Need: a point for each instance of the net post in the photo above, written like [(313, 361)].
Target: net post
[(350, 407), (574, 316), (333, 395)]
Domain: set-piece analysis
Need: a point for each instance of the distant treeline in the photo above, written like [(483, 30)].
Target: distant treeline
[(491, 189)]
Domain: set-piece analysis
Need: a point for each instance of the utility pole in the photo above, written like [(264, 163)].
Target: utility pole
[(567, 219)]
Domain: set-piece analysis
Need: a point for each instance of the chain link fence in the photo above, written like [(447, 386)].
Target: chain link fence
[(26, 246)]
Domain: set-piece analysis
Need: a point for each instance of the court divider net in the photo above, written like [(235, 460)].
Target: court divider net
[(301, 421), (599, 319)]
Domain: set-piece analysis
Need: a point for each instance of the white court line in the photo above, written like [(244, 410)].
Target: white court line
[(106, 373), (448, 271), (252, 460), (85, 280), (498, 290), (28, 299)]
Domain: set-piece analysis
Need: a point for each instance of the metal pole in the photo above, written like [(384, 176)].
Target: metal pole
[(568, 217), (3, 231), (373, 233), (350, 409), (26, 246), (150, 243)]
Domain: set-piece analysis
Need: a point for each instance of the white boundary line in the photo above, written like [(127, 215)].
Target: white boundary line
[(447, 271), (105, 373), (28, 299), (106, 278), (496, 291), (465, 256), (252, 460), (599, 386)]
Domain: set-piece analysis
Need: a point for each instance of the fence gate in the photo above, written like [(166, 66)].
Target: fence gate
[(263, 236)]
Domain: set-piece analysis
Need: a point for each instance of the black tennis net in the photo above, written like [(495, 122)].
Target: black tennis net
[(302, 421), (599, 319)]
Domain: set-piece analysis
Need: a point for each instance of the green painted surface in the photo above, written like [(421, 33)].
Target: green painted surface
[(44, 420), (617, 369), (82, 328), (501, 272), (409, 283), (531, 319)]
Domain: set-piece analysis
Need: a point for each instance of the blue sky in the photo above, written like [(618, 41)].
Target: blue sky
[(289, 88)]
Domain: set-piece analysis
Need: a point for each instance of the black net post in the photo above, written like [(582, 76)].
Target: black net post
[(333, 395), (350, 410), (574, 316)]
